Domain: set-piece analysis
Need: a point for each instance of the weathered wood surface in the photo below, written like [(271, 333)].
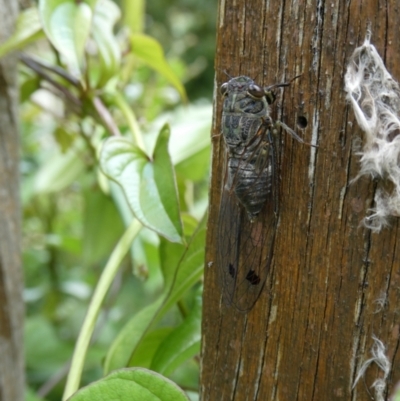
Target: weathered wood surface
[(12, 379), (333, 285)]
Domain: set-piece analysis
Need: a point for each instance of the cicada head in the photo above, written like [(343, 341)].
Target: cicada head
[(243, 95)]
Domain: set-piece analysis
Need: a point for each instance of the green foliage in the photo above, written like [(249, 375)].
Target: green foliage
[(181, 344), (132, 384), (189, 270), (114, 194), (67, 26), (186, 30), (109, 54), (149, 51), (28, 30), (149, 185)]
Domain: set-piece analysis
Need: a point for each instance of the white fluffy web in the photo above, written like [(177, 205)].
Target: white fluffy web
[(375, 97), (380, 359)]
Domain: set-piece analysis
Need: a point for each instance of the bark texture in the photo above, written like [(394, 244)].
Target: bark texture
[(333, 285), (12, 380)]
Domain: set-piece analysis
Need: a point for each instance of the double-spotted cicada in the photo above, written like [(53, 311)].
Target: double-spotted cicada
[(250, 196)]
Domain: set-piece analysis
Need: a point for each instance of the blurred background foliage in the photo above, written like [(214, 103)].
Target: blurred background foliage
[(186, 30), (72, 220)]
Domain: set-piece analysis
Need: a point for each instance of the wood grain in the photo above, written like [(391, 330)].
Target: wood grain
[(333, 283)]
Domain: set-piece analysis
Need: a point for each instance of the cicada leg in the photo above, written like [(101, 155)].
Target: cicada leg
[(293, 134)]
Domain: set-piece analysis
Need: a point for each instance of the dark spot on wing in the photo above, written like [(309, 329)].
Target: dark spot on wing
[(232, 270), (253, 278)]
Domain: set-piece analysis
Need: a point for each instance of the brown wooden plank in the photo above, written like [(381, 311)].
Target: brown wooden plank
[(312, 328)]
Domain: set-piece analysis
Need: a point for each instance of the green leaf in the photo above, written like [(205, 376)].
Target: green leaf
[(130, 385), (190, 131), (197, 121), (106, 15), (130, 336), (99, 212), (28, 29), (29, 86), (148, 347), (59, 171), (64, 138), (148, 185), (188, 272), (30, 395), (170, 255), (150, 52), (183, 343), (195, 168), (164, 177), (189, 269), (67, 25)]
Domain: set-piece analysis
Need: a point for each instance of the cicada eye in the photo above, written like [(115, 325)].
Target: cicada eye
[(256, 91), (224, 88)]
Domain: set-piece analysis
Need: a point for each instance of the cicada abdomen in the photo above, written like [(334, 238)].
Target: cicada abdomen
[(249, 202)]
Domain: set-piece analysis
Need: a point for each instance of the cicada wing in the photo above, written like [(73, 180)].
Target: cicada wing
[(245, 247), (256, 250), (228, 228), (245, 251)]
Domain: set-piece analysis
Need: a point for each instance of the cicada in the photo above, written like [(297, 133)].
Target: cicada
[(248, 214)]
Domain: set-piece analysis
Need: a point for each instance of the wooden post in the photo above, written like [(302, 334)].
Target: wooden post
[(333, 285), (12, 378)]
